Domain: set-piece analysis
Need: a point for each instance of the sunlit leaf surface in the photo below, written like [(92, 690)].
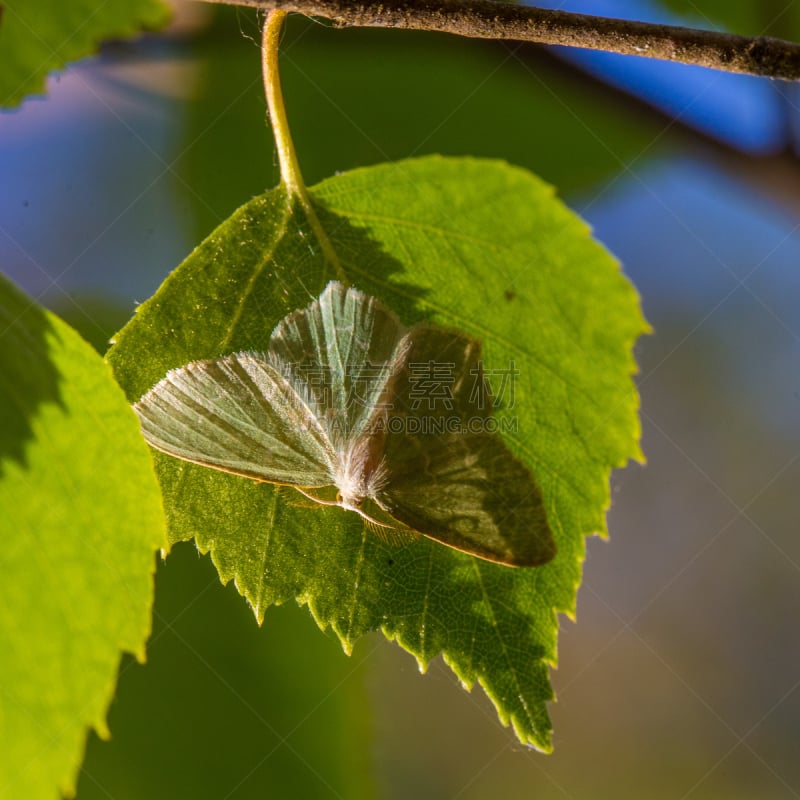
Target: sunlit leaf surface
[(80, 521), (474, 245)]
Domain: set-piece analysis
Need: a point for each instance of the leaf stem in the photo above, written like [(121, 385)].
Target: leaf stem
[(291, 176)]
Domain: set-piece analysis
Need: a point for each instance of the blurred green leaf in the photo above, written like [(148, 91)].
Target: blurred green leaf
[(39, 37), (80, 519), (225, 709), (747, 17), (476, 245)]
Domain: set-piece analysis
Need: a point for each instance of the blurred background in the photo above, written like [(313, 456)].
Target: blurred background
[(681, 676)]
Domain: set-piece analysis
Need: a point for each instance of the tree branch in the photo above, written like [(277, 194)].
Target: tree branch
[(486, 19)]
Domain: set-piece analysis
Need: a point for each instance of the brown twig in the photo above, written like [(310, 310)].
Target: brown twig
[(486, 19)]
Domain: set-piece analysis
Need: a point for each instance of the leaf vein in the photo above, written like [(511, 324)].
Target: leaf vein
[(501, 640), (257, 271)]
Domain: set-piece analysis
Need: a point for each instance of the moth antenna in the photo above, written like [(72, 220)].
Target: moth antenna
[(371, 522), (317, 500), (388, 532), (287, 494), (396, 537)]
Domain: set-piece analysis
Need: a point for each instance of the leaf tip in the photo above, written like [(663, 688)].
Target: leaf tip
[(101, 729), (258, 612)]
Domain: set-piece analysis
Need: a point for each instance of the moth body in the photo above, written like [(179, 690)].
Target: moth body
[(360, 474)]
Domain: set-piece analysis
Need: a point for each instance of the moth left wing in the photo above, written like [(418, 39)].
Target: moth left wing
[(238, 414)]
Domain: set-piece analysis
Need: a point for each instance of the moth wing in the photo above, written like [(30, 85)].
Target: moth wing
[(238, 414), (471, 493), (447, 475), (345, 348)]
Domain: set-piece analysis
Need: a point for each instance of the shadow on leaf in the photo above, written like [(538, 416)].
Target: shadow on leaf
[(28, 376)]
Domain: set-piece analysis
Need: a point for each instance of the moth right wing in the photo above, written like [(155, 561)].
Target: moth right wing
[(239, 414), (447, 473), (470, 492)]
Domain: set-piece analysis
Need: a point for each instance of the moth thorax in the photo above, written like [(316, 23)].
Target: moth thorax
[(360, 474)]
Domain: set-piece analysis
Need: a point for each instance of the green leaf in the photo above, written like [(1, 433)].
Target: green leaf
[(476, 245), (264, 701), (747, 17), (80, 519), (39, 36)]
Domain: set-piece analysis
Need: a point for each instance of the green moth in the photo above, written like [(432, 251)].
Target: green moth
[(335, 408)]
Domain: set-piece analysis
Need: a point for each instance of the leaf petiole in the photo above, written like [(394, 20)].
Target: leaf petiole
[(290, 169), (291, 177)]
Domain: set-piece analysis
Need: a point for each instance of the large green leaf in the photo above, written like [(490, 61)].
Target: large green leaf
[(39, 36), (476, 245), (80, 519)]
